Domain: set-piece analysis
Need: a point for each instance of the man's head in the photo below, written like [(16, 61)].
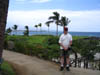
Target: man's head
[(65, 30)]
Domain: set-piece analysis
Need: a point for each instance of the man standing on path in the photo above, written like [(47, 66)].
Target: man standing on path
[(65, 42)]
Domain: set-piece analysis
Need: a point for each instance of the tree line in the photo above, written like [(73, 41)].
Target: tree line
[(56, 18)]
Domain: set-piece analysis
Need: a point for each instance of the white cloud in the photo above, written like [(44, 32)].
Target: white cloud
[(80, 20), (40, 1), (20, 0)]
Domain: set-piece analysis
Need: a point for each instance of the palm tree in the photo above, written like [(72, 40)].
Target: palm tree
[(36, 26), (56, 19), (26, 32), (40, 25), (15, 28), (48, 24), (64, 21), (8, 31), (3, 19)]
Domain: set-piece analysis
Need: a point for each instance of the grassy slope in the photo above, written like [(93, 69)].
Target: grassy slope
[(30, 39), (37, 39)]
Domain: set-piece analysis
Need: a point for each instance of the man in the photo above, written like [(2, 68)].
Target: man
[(65, 42)]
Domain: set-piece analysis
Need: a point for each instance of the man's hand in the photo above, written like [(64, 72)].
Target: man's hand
[(65, 48)]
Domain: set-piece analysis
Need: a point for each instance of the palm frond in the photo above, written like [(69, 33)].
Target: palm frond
[(56, 13), (40, 24), (65, 21), (52, 17)]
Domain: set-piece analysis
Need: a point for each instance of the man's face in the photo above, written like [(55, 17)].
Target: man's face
[(65, 32)]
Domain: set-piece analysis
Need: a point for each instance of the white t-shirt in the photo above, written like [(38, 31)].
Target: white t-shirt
[(65, 40)]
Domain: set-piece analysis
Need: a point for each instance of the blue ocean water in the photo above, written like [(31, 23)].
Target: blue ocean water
[(96, 34)]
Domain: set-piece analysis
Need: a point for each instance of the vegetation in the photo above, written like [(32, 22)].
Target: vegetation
[(7, 69), (15, 28), (56, 19), (64, 21), (26, 32), (8, 31), (40, 25), (36, 26), (47, 46), (48, 24)]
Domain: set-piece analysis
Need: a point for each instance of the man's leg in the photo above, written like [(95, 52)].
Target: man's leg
[(62, 60), (68, 63), (62, 63)]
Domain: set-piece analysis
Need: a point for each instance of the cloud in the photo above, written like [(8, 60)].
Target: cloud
[(32, 1), (20, 0), (87, 21), (40, 1)]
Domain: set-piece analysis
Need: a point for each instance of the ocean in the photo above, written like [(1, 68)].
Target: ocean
[(94, 34)]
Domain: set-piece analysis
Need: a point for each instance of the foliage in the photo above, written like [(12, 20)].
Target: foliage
[(15, 27), (48, 24), (8, 31), (26, 32), (7, 69), (55, 18), (86, 47), (64, 21)]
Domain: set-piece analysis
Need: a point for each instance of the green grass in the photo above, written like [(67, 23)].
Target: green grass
[(7, 69), (79, 37), (30, 39), (37, 39)]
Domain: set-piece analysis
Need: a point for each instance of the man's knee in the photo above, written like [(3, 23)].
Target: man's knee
[(67, 56), (61, 57)]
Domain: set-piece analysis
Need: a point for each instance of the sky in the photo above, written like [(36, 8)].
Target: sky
[(84, 14)]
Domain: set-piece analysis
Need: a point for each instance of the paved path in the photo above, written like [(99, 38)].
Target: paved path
[(27, 65)]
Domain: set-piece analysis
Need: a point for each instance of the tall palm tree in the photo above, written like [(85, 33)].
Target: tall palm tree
[(48, 24), (36, 26), (64, 21), (15, 28), (26, 32), (3, 19), (40, 25), (56, 19)]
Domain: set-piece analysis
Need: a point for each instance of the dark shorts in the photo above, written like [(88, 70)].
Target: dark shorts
[(65, 53)]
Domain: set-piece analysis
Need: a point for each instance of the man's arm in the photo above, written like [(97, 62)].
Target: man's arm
[(65, 48), (70, 42)]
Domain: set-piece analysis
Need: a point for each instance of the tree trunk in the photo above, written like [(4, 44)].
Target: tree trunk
[(48, 30), (63, 28), (3, 17), (57, 31)]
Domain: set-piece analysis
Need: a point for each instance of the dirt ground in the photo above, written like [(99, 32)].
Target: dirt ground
[(27, 65)]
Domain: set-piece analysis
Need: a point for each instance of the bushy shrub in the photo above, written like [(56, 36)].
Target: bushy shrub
[(46, 49), (53, 51), (51, 40)]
